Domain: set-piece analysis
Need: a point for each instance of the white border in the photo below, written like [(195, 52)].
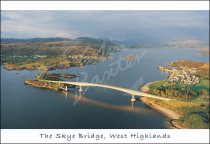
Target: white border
[(30, 135), (105, 5), (176, 135)]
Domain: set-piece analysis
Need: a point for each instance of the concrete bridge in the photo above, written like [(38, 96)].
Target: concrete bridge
[(129, 91)]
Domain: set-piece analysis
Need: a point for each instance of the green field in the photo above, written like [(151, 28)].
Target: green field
[(203, 85), (157, 84)]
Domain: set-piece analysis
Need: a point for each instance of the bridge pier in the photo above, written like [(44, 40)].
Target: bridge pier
[(80, 93), (80, 88), (133, 98), (66, 88)]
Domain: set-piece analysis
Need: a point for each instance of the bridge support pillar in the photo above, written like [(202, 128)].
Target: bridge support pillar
[(133, 98), (80, 89), (66, 88)]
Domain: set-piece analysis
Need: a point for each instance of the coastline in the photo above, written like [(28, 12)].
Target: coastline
[(170, 114)]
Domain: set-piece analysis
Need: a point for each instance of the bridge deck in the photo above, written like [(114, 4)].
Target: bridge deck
[(132, 92)]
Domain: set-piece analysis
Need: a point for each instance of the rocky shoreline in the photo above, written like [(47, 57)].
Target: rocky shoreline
[(39, 84)]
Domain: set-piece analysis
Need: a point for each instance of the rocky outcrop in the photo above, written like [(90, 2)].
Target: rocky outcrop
[(10, 67), (165, 69)]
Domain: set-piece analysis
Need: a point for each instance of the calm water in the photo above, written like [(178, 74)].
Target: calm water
[(23, 106)]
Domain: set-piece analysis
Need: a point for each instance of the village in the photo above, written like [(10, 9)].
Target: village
[(182, 75)]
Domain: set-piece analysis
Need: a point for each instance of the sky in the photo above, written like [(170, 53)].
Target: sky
[(118, 25)]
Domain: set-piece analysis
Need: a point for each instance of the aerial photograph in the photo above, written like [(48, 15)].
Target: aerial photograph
[(84, 69)]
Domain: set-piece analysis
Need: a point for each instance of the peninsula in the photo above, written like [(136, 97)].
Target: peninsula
[(188, 83)]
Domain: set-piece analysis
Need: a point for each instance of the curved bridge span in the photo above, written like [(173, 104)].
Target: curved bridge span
[(129, 91)]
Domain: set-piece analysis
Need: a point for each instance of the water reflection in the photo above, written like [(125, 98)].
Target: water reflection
[(132, 106), (79, 97)]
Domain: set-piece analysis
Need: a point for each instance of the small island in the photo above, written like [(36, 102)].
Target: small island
[(188, 83), (37, 82), (129, 58)]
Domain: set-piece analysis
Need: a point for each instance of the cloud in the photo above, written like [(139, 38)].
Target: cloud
[(105, 24)]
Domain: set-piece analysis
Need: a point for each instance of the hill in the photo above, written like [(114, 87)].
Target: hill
[(46, 53)]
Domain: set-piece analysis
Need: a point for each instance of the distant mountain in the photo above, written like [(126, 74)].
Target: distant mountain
[(13, 40), (87, 40), (103, 45), (100, 42), (189, 43), (56, 46)]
